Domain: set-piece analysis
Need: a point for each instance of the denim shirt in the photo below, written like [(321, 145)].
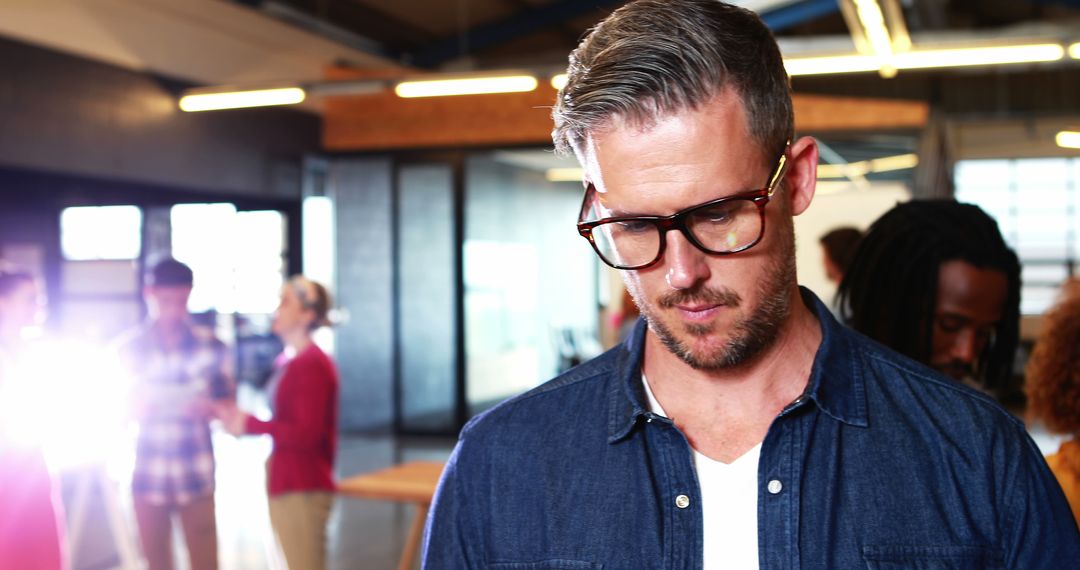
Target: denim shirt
[(882, 463)]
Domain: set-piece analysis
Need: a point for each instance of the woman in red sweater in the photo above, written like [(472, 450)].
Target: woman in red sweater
[(304, 399)]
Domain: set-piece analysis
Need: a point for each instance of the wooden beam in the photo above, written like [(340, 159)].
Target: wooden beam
[(384, 121)]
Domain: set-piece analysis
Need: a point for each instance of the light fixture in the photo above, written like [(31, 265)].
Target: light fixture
[(559, 81), (830, 64), (241, 99), (1074, 50), (877, 34), (991, 55), (466, 86), (570, 174), (864, 167), (1068, 139), (928, 58)]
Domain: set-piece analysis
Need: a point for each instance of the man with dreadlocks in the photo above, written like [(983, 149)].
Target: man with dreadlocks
[(934, 280)]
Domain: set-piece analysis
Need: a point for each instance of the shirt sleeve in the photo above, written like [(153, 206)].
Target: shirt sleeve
[(305, 427), (1041, 529), (447, 542)]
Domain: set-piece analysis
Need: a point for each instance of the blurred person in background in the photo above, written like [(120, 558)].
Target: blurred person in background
[(935, 281), (31, 516), (1053, 387), (837, 250), (304, 400), (178, 371)]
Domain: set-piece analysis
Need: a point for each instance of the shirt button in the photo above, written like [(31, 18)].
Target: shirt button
[(775, 486), (682, 501)]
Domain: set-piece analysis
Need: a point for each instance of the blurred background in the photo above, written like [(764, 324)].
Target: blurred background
[(444, 224)]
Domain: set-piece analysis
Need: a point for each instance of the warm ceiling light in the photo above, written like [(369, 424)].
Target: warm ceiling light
[(559, 81), (873, 24), (1074, 50), (959, 57), (1068, 139), (928, 58), (864, 167), (466, 86), (898, 162), (564, 174), (830, 64), (241, 99)]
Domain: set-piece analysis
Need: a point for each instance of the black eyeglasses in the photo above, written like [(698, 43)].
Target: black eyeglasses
[(721, 227)]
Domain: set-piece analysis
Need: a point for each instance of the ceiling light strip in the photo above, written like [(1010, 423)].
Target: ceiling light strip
[(241, 99), (466, 86)]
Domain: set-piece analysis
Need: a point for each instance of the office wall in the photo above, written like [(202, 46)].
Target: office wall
[(60, 113)]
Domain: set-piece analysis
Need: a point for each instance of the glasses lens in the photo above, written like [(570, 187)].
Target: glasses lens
[(725, 227), (630, 243)]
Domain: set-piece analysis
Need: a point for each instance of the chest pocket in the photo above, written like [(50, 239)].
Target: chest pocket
[(932, 557), (557, 564)]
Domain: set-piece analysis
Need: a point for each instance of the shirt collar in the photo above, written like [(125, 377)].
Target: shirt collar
[(836, 383)]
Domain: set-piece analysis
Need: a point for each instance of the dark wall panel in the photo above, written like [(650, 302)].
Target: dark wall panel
[(65, 114), (361, 188)]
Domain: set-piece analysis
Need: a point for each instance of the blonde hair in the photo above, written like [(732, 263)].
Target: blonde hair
[(314, 296)]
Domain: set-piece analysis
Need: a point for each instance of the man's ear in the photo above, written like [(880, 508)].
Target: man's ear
[(801, 179)]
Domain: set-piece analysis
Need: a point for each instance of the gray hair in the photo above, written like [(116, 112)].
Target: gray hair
[(652, 58)]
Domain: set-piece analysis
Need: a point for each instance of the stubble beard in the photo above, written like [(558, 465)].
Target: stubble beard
[(750, 335)]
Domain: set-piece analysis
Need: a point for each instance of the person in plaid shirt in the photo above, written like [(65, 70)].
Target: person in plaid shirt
[(178, 371)]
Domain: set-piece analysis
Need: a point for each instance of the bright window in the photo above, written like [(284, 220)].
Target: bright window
[(237, 256), (1035, 202), (101, 232)]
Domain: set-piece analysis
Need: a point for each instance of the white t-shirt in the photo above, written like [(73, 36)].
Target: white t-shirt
[(728, 504)]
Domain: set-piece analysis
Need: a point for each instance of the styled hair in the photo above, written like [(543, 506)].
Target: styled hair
[(169, 272), (840, 245), (314, 296), (1053, 371), (653, 58), (889, 291)]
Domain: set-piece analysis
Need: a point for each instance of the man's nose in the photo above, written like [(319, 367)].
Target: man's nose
[(686, 264), (965, 346)]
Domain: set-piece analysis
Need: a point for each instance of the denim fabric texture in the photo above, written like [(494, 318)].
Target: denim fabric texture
[(883, 463)]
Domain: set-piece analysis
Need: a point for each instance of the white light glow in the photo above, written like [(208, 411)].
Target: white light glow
[(69, 399), (1074, 51), (864, 167), (466, 86), (101, 232), (559, 81), (928, 58), (1068, 139), (241, 99)]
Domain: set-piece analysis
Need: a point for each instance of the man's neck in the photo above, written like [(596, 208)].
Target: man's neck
[(726, 412)]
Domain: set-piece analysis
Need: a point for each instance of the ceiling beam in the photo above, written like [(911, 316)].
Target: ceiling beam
[(501, 31)]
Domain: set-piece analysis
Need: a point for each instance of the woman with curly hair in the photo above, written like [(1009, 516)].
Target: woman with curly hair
[(1053, 387)]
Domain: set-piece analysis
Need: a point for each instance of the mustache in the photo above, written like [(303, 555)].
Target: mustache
[(700, 295)]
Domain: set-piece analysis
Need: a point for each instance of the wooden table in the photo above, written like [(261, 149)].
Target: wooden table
[(412, 482)]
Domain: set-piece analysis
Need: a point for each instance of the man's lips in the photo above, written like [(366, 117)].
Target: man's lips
[(699, 312)]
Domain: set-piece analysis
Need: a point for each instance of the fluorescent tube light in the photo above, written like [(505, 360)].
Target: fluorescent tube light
[(1074, 50), (1068, 139), (928, 58), (466, 86), (831, 64), (559, 81), (241, 99), (864, 167), (959, 57)]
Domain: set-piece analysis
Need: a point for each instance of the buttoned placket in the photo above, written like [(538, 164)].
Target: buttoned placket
[(681, 494), (779, 487)]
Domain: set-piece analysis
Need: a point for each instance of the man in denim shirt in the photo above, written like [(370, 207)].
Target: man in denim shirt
[(740, 426)]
